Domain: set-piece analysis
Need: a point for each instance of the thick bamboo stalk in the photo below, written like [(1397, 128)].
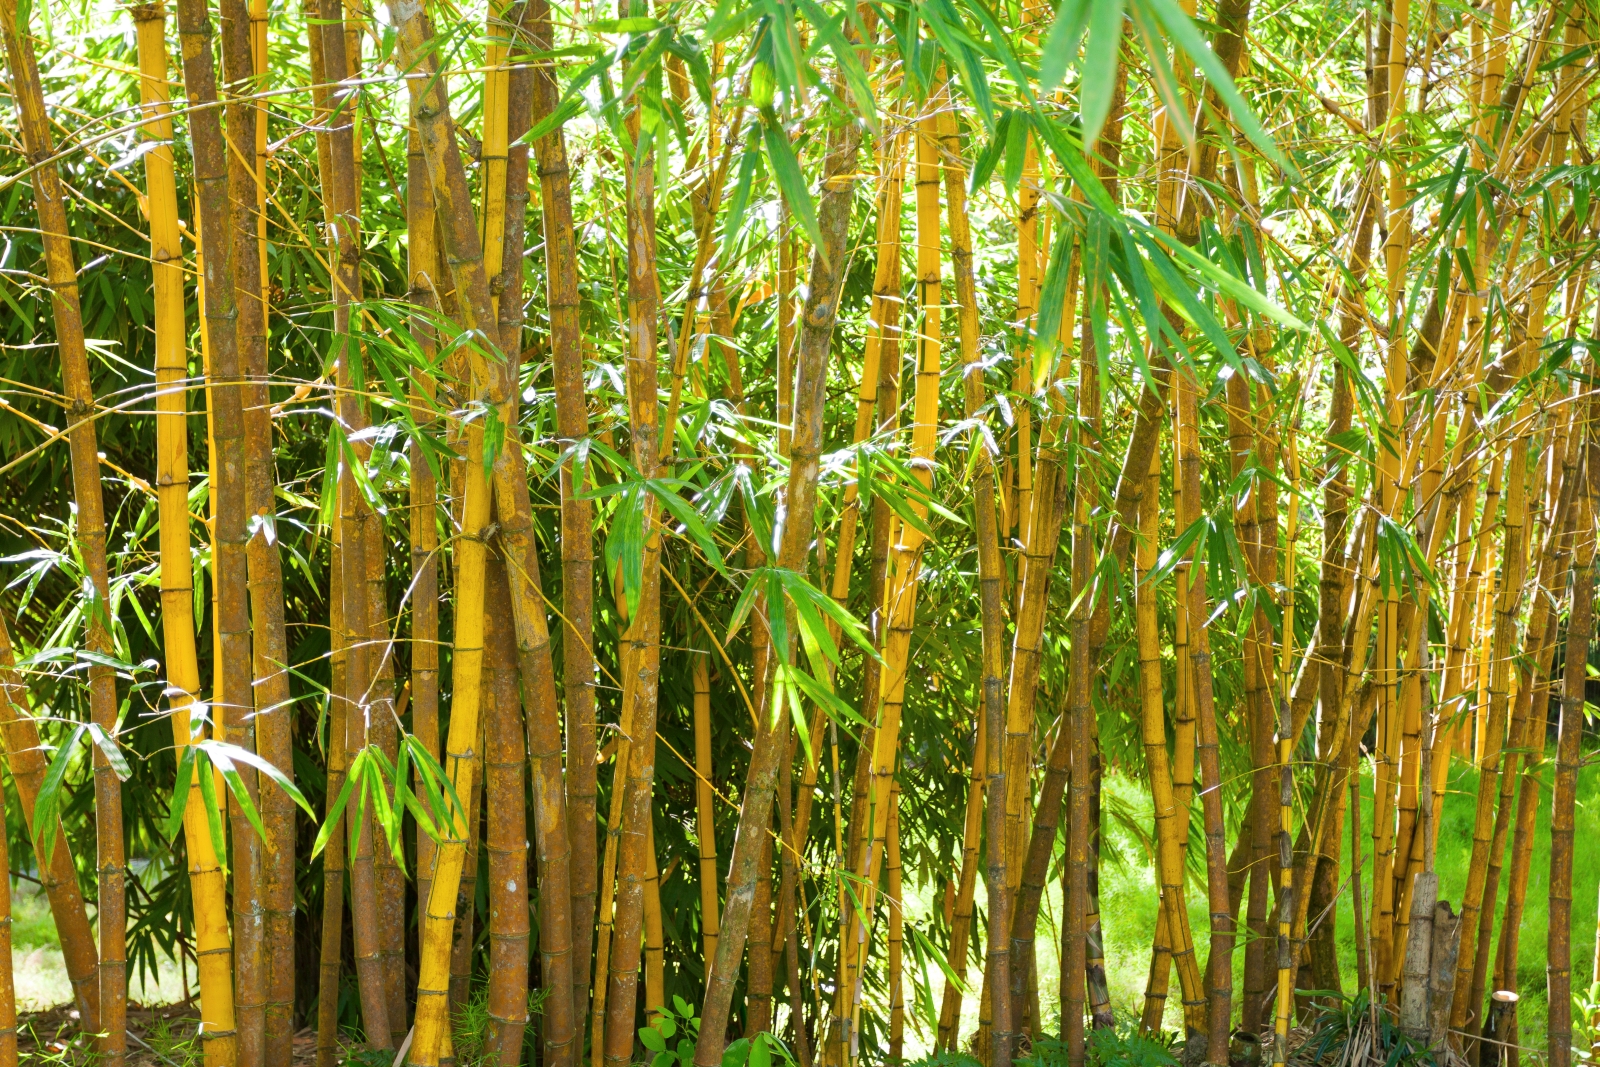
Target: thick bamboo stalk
[(230, 535), (360, 644), (636, 776), (205, 872), (464, 253), (422, 519), (905, 564), (577, 538), (805, 450), (507, 839), (107, 1009), (991, 576), (269, 686)]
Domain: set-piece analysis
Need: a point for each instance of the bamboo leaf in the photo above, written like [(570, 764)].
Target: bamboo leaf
[(786, 171)]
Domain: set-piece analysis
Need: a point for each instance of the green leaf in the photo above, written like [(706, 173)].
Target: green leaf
[(180, 793), (1180, 27), (1099, 79), (1061, 43), (236, 785), (786, 170), (111, 751), (651, 1039), (46, 804)]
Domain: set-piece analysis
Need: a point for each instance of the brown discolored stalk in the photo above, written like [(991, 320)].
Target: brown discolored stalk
[(59, 877), (360, 647), (106, 1010), (331, 956), (643, 637), (1580, 634), (577, 535), (813, 349), (507, 839), (270, 685)]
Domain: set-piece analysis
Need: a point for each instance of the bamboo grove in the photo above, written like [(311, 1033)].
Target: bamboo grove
[(674, 530)]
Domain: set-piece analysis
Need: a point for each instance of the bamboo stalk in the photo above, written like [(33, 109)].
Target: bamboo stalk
[(106, 1010), (577, 539), (360, 642), (1220, 976), (905, 564), (464, 253), (270, 686), (643, 637), (507, 840), (705, 813), (8, 999), (991, 575), (814, 347), (1580, 634)]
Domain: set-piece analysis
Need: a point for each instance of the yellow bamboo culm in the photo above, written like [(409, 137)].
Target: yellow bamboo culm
[(705, 823), (206, 878), (906, 553), (1286, 909)]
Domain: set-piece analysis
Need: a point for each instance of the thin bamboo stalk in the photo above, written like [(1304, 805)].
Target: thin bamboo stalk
[(109, 1006), (422, 519), (905, 565), (814, 347), (897, 936), (1220, 976), (1580, 634), (705, 813), (8, 999)]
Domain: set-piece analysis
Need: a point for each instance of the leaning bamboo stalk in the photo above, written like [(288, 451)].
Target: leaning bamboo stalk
[(813, 349), (24, 749), (897, 1002), (464, 253), (108, 1009)]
